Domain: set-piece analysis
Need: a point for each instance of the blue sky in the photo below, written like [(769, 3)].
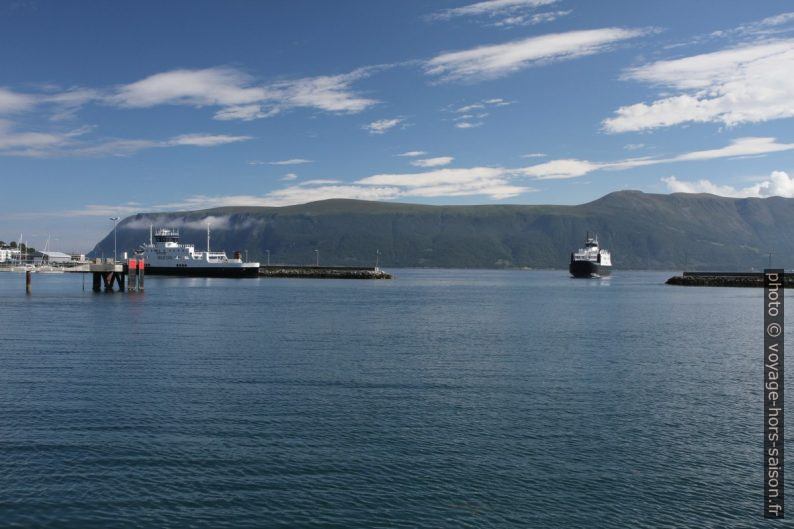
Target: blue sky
[(114, 108)]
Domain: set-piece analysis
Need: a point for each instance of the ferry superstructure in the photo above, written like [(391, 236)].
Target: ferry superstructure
[(590, 261), (165, 255)]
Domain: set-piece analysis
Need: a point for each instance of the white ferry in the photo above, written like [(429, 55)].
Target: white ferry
[(590, 261), (165, 255)]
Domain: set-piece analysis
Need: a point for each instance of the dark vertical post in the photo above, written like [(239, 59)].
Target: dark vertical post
[(28, 282), (141, 272), (97, 286)]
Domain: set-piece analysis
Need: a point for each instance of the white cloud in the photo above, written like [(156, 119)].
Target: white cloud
[(332, 93), (761, 28), (221, 86), (302, 194), (68, 102), (778, 184), (10, 139), (35, 144), (559, 169), (469, 108), (238, 96), (244, 113), (289, 176), (433, 162), (320, 181), (531, 20), (746, 84), (571, 168), (63, 103), (129, 147), (381, 126), (102, 210), (633, 146), (11, 102), (109, 148), (69, 144), (491, 8), (777, 20), (493, 182), (488, 62), (739, 147), (216, 222), (467, 115), (534, 155), (436, 177), (206, 140), (412, 153), (291, 161), (497, 101)]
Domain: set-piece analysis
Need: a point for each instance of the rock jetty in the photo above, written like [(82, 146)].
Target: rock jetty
[(725, 279), (323, 272)]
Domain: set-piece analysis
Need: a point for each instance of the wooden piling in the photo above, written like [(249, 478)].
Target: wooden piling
[(97, 286), (28, 282)]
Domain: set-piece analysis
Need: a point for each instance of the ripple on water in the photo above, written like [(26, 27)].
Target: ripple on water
[(440, 399)]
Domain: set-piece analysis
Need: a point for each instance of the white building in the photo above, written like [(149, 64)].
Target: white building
[(8, 255), (51, 257)]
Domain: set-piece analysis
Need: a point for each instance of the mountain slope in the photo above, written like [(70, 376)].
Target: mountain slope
[(642, 231)]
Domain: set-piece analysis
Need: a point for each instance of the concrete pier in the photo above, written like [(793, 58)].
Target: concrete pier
[(109, 275), (323, 272)]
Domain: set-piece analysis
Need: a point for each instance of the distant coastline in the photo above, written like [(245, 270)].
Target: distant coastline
[(644, 231)]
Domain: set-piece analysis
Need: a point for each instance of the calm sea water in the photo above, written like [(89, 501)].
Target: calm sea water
[(439, 399)]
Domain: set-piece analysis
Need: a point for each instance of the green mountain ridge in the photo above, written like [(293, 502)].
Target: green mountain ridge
[(642, 230)]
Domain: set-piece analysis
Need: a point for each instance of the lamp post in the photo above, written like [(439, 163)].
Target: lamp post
[(317, 257), (377, 258), (114, 219)]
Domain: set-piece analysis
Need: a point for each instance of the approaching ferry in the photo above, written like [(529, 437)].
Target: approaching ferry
[(590, 261), (165, 255)]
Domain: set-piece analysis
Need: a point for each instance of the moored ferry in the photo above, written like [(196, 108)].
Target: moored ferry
[(165, 255), (590, 261)]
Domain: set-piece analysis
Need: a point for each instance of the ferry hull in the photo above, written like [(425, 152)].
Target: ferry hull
[(249, 271), (588, 269)]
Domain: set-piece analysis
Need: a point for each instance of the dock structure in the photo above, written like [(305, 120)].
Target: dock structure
[(725, 279), (108, 275), (323, 272)]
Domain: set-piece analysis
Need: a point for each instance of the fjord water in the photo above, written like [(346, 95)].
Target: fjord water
[(442, 398)]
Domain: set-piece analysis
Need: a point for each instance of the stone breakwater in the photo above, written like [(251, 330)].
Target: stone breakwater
[(323, 272), (725, 279)]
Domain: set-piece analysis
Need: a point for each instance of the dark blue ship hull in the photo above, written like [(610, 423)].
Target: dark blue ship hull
[(252, 271), (588, 269)]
